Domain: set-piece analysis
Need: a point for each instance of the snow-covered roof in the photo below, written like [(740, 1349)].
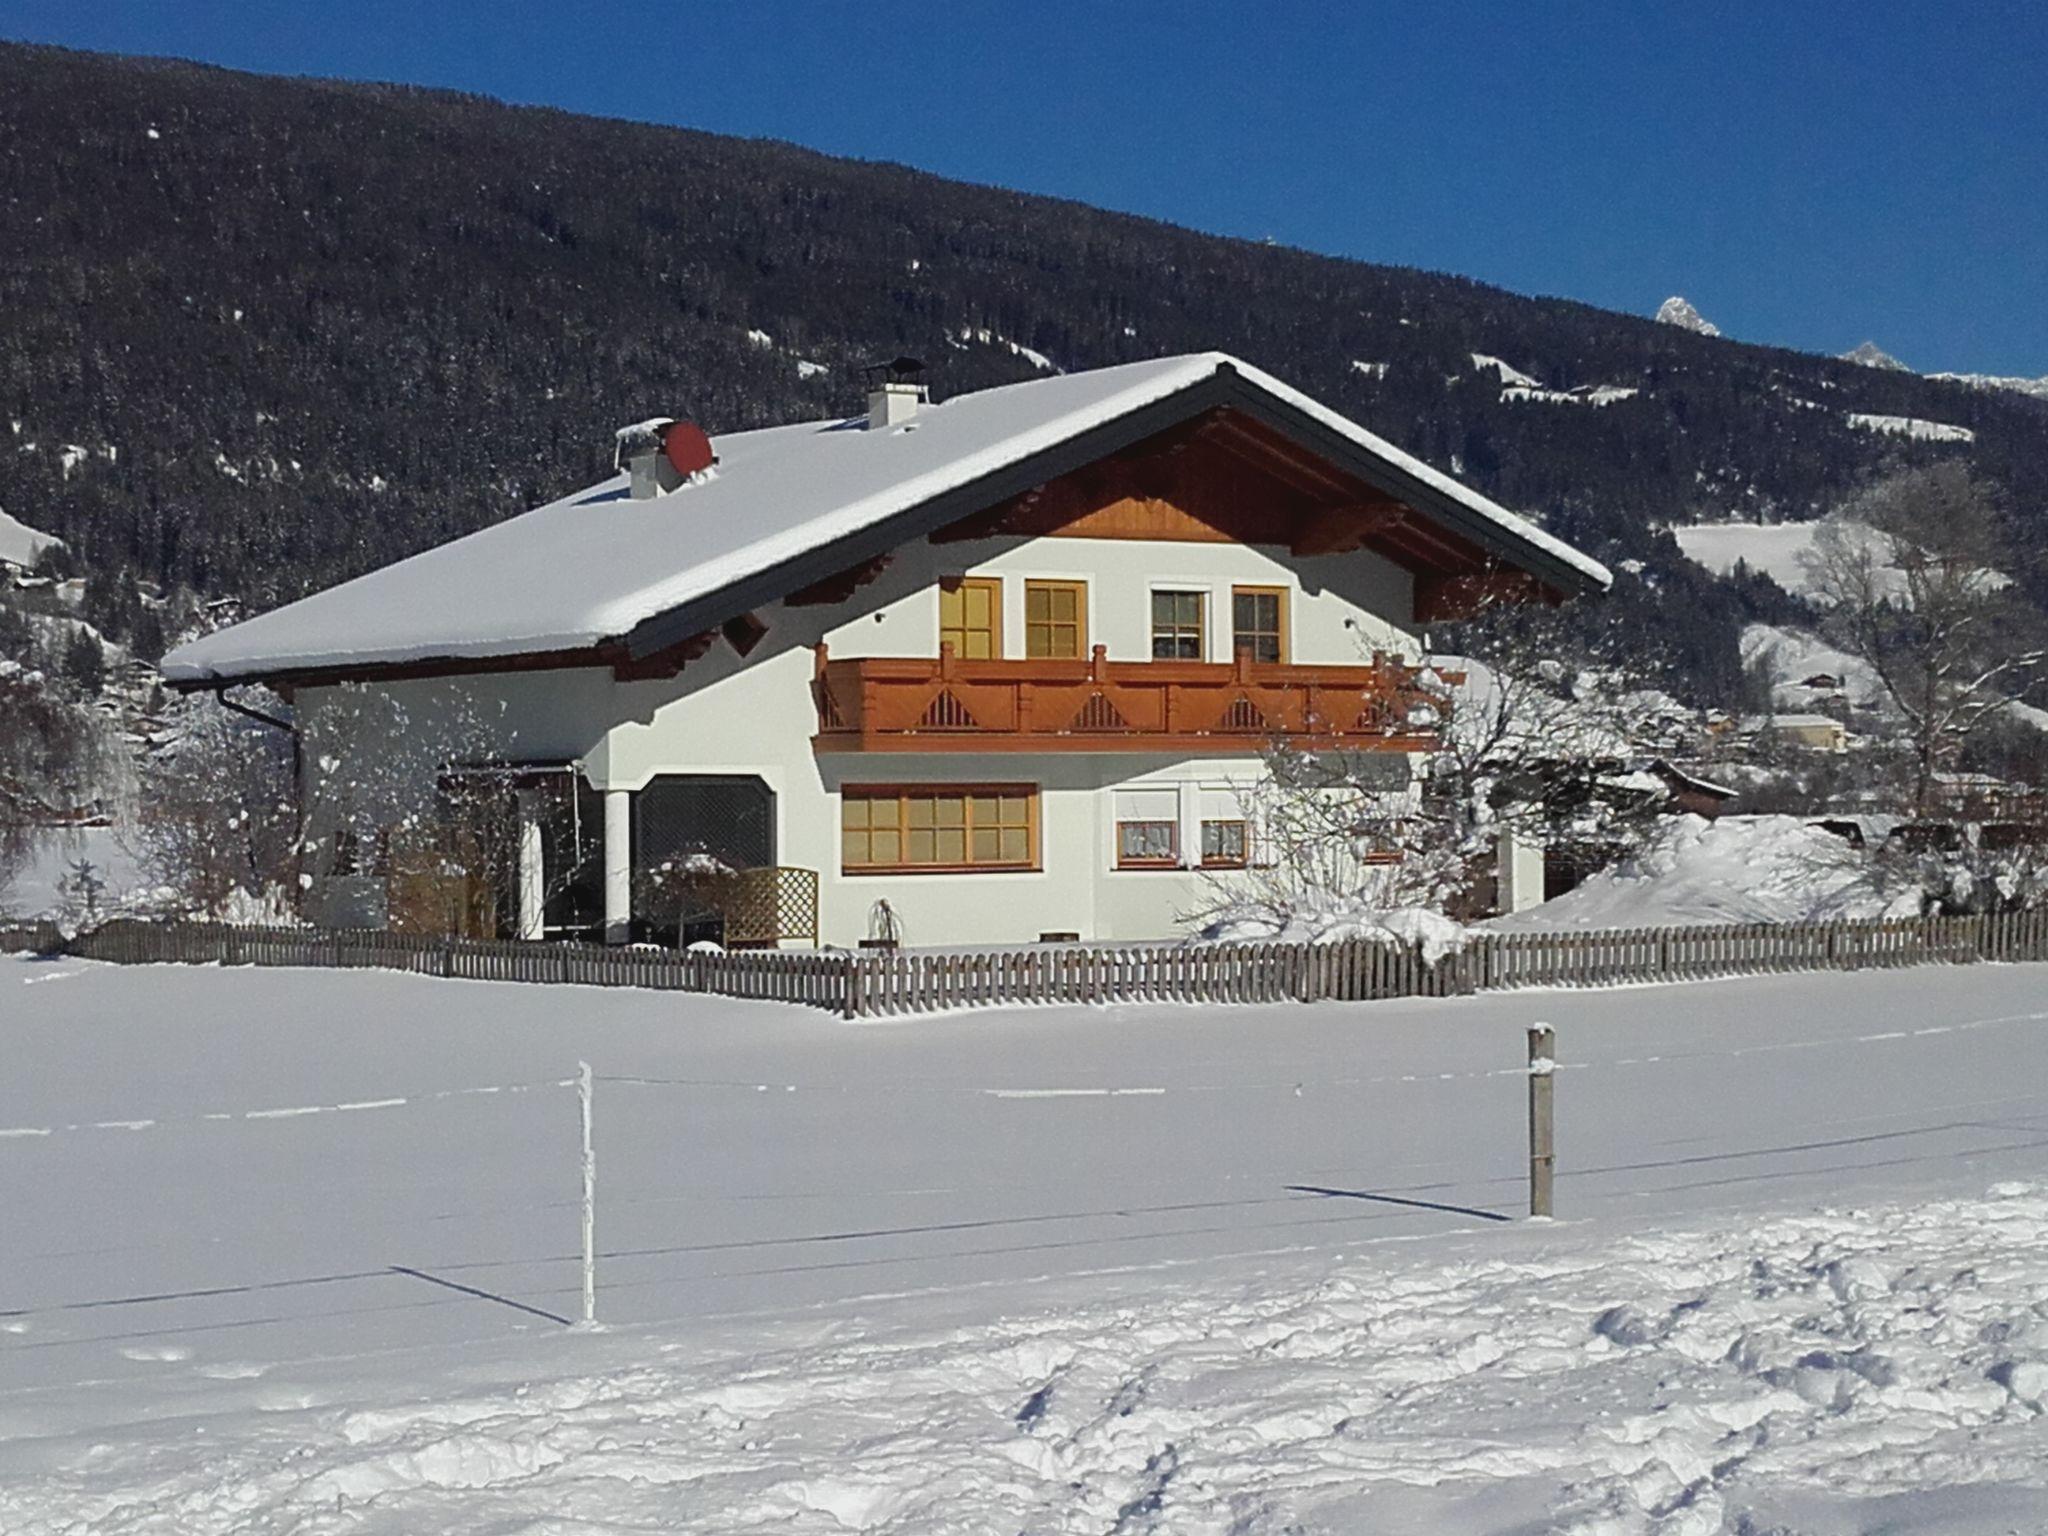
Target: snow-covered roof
[(20, 544), (1795, 722), (597, 564)]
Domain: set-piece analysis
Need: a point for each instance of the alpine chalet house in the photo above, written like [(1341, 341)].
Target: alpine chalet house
[(992, 669)]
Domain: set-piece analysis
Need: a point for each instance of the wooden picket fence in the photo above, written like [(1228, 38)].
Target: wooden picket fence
[(869, 983)]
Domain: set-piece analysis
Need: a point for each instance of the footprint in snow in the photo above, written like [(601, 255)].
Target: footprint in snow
[(232, 1370), (159, 1353)]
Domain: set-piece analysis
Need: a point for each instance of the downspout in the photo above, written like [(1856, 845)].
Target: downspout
[(220, 695), (261, 717)]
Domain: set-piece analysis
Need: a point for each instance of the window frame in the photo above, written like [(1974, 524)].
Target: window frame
[(1279, 594), (1169, 860), (1078, 586), (903, 793), (1201, 625), (1244, 832), (960, 584)]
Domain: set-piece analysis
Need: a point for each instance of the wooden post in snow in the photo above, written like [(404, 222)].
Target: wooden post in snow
[(583, 1094), (1542, 1118)]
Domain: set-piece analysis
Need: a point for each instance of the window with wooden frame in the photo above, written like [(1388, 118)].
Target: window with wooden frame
[(971, 617), (1147, 845), (1258, 622), (912, 828), (1148, 828), (1056, 619), (1177, 626), (1225, 845)]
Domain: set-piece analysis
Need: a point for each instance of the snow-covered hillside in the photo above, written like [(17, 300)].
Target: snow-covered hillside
[(2038, 388), (1794, 655), (287, 1249), (1912, 426), (1777, 550), (1781, 551)]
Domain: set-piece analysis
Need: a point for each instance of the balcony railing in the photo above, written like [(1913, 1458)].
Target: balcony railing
[(892, 704)]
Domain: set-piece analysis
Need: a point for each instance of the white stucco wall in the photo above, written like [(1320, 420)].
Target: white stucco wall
[(723, 714)]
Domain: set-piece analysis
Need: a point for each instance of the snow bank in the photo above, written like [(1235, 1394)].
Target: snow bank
[(1740, 869), (1339, 921)]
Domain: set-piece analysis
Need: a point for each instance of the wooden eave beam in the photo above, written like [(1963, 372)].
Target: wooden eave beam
[(1441, 599), (1348, 526), (837, 588)]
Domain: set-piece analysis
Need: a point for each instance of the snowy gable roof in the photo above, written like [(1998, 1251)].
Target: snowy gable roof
[(787, 505), (21, 545)]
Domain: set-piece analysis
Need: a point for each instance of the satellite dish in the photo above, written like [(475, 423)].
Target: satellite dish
[(688, 449)]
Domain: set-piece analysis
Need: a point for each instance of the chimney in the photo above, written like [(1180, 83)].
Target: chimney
[(895, 391), (661, 454)]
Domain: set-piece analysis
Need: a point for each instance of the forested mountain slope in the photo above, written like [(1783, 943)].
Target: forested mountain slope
[(263, 334)]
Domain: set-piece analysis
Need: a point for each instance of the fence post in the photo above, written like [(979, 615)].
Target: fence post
[(583, 1095), (1542, 1119)]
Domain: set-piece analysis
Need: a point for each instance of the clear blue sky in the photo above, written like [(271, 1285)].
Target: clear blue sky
[(1809, 175)]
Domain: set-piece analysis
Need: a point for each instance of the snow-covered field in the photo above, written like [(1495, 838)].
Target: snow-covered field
[(37, 889), (1777, 550), (271, 1265)]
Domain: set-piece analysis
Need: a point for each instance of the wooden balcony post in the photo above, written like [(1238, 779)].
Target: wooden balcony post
[(1098, 663), (946, 660), (1243, 662)]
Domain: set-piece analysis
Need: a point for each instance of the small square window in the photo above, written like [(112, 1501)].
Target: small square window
[(1177, 626), (1147, 844), (1225, 845)]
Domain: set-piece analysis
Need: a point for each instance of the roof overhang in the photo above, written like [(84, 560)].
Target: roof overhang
[(1500, 537), (1226, 387)]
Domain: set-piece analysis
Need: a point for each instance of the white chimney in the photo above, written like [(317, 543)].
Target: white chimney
[(890, 402), (639, 454), (895, 391)]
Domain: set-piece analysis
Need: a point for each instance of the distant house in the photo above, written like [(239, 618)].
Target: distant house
[(21, 546), (1691, 793), (1814, 733), (972, 671)]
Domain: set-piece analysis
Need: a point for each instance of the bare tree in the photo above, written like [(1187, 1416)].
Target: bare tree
[(1532, 737), (1913, 573), (1334, 837), (217, 822), (416, 797), (1544, 736)]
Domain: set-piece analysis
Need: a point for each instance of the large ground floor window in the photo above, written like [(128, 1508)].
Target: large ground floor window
[(933, 827)]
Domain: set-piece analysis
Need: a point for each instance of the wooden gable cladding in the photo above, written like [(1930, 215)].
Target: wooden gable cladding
[(1222, 479), (1176, 486)]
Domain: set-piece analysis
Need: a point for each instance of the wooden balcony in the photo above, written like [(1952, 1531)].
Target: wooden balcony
[(889, 704)]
